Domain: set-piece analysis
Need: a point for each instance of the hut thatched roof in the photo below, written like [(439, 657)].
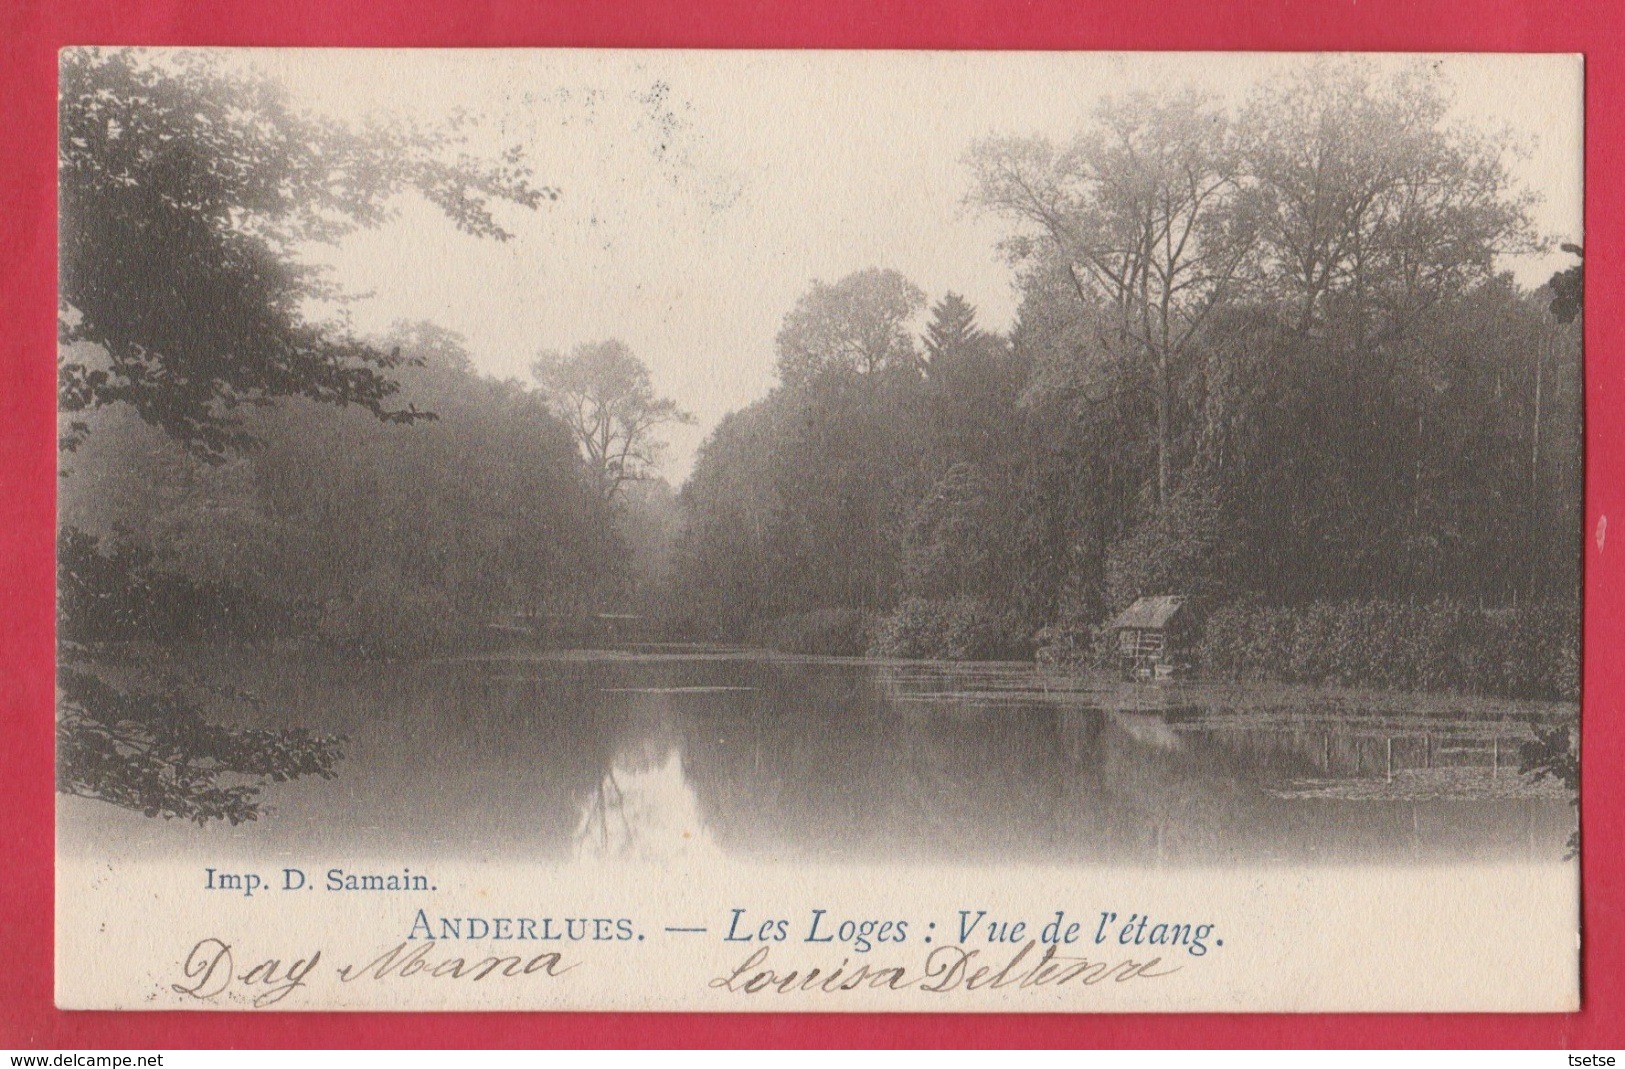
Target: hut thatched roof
[(1150, 613)]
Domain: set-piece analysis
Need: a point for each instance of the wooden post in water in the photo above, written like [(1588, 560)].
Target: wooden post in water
[(1495, 758), (1326, 753), (1427, 750), (1390, 757)]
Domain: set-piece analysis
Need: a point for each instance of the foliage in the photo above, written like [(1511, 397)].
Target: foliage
[(972, 383), (943, 550), (152, 749), (851, 490), (1179, 548), (603, 394), (1144, 213), (185, 194), (951, 332), (374, 540), (960, 628), (1390, 420), (1551, 754), (796, 501), (1372, 205), (382, 616), (123, 594), (1528, 652), (150, 746), (857, 326), (1554, 753), (1071, 642), (1262, 356), (826, 632), (725, 564), (188, 196), (1568, 288), (649, 521), (392, 540)]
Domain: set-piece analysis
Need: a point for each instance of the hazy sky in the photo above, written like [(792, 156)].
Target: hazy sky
[(701, 193)]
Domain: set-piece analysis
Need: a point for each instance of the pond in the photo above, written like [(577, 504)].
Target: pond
[(662, 752)]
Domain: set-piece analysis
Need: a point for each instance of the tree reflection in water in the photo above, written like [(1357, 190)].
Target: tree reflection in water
[(643, 810), (661, 756)]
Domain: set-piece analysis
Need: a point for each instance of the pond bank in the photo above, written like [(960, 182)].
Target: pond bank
[(1528, 650)]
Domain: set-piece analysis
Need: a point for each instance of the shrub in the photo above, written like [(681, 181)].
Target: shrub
[(960, 628), (1075, 644), (1532, 651)]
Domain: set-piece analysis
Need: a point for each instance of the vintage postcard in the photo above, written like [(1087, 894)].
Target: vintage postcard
[(819, 531)]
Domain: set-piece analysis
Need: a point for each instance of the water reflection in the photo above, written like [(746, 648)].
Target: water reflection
[(643, 812), (644, 808), (916, 762), (699, 754)]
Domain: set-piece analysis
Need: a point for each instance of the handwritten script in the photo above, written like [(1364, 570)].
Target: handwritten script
[(947, 968), (214, 971), (211, 970)]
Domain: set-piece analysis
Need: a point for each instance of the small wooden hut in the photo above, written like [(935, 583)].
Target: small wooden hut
[(1150, 637)]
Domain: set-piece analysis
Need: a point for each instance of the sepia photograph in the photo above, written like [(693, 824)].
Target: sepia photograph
[(601, 464)]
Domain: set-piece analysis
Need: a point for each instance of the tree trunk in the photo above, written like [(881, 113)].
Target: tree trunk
[(1533, 535), (1162, 428)]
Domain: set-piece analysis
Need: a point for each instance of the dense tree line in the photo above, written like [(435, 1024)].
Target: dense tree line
[(1262, 354), (384, 539), (235, 469)]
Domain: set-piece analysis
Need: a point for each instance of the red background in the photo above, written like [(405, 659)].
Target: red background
[(32, 30)]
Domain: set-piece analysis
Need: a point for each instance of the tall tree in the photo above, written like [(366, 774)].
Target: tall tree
[(952, 329), (1375, 212), (603, 394), (1139, 212), (724, 568), (971, 389), (856, 326), (1371, 205), (186, 192), (796, 502), (945, 549)]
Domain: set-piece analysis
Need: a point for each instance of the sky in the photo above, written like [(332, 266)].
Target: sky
[(700, 193)]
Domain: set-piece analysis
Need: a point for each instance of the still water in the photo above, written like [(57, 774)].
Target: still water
[(700, 752)]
